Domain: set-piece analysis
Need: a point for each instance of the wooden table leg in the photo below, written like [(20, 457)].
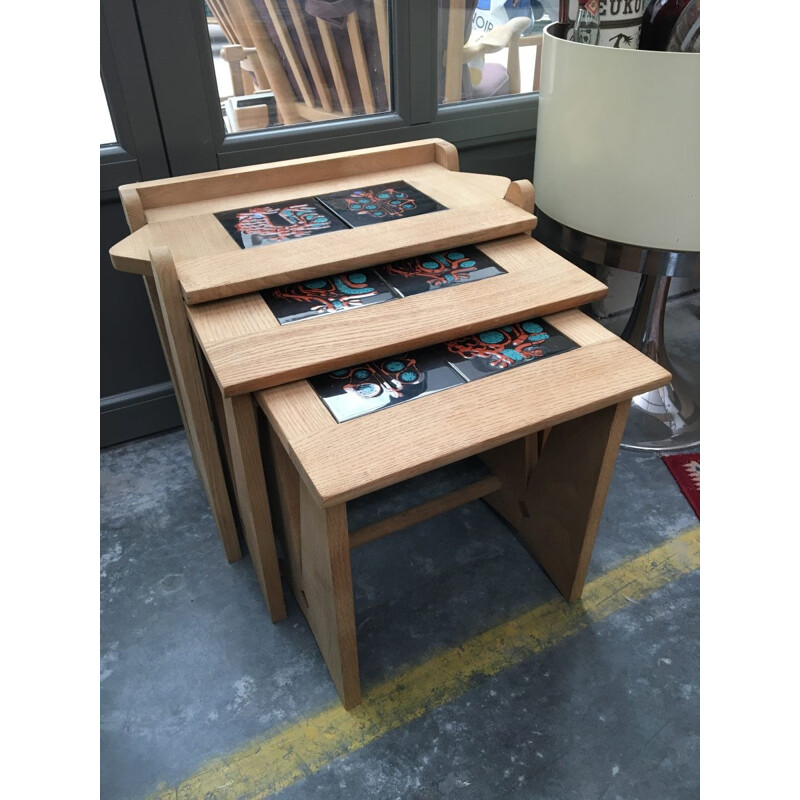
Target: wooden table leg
[(317, 547), (189, 385), (328, 592), (554, 489), (251, 491), (217, 410), (161, 328)]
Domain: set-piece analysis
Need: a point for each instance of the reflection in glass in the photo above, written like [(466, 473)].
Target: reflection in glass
[(287, 62), (107, 133), (490, 48)]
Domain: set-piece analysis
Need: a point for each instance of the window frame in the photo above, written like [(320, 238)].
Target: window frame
[(177, 47), (138, 154)]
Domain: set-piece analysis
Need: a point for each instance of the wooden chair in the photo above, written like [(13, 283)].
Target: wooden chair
[(247, 73), (457, 82), (319, 66), (328, 60), (534, 41)]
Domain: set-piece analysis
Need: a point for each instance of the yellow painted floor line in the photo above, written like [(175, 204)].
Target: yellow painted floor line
[(283, 757)]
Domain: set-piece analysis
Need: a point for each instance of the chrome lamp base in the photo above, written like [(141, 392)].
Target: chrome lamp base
[(667, 418), (663, 419)]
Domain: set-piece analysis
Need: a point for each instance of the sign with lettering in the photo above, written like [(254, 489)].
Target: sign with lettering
[(620, 22)]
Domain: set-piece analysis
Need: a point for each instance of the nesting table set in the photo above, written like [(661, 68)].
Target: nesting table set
[(307, 307)]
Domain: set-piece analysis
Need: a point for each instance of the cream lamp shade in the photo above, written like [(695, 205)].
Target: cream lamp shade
[(618, 143)]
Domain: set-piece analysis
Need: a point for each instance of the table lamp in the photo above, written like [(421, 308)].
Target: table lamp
[(617, 177)]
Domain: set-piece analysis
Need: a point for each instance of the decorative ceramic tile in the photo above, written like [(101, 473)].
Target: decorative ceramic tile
[(355, 391), (279, 222), (386, 201), (506, 347), (320, 296), (435, 270)]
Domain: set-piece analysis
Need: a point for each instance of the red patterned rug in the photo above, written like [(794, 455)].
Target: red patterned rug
[(685, 468)]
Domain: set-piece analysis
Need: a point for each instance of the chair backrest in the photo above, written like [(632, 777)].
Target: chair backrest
[(233, 23), (323, 59), (455, 26)]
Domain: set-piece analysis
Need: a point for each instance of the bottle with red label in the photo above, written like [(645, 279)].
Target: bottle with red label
[(587, 23), (619, 22)]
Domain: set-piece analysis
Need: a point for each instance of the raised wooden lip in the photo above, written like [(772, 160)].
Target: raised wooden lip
[(350, 163), (342, 461), (264, 354)]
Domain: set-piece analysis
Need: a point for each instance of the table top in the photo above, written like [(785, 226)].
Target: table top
[(341, 461), (248, 349), (179, 214)]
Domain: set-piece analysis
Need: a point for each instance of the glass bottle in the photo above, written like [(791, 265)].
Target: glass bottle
[(659, 19), (587, 23)]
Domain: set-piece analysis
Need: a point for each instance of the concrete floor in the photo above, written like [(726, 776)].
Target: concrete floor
[(193, 671)]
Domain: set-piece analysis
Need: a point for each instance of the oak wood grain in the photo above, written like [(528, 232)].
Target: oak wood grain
[(446, 155), (197, 415), (556, 510), (327, 593), (191, 231), (187, 238), (521, 193), (360, 60), (215, 277), (382, 27), (132, 207), (499, 409), (291, 172), (251, 493), (537, 282), (335, 65), (226, 320), (310, 53), (423, 511)]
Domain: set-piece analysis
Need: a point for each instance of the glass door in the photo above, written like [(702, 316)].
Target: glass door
[(136, 396), (199, 85), (238, 82), (131, 147)]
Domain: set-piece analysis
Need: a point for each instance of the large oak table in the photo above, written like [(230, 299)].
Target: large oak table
[(548, 432)]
